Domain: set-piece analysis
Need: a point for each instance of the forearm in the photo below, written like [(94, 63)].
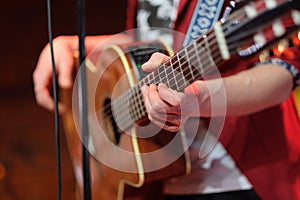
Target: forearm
[(91, 42), (247, 92), (258, 88), (106, 40)]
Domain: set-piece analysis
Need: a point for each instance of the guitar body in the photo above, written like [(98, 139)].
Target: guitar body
[(121, 140), (107, 143)]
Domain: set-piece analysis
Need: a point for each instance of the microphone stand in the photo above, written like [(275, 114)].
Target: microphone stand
[(82, 95)]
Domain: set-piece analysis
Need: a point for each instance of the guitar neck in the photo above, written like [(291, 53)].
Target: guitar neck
[(191, 63), (202, 56)]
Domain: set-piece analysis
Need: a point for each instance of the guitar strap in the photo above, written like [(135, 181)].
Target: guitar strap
[(205, 14)]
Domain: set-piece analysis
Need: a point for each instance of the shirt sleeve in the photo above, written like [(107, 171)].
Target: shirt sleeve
[(291, 68)]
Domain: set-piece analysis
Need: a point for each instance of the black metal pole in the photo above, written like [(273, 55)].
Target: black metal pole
[(82, 95), (55, 97)]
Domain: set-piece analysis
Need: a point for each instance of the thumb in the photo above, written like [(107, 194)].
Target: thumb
[(155, 60)]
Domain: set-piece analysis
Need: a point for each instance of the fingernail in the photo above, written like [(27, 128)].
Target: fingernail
[(162, 86), (145, 64)]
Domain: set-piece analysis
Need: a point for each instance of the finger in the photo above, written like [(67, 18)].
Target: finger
[(158, 109), (170, 96), (192, 89), (165, 124), (154, 62), (152, 107), (44, 99), (65, 70), (145, 91), (157, 104), (164, 117), (42, 77), (41, 80), (161, 119), (150, 92)]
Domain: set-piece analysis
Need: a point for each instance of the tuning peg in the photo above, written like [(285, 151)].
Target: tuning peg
[(264, 55), (280, 48), (296, 39)]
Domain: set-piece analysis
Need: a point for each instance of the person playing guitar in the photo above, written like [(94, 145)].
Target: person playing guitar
[(257, 152)]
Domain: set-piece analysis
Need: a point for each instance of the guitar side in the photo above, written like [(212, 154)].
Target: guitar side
[(117, 77), (107, 181)]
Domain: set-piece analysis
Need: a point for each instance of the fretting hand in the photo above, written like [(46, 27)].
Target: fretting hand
[(168, 108)]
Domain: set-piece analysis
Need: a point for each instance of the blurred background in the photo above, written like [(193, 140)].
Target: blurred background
[(27, 138)]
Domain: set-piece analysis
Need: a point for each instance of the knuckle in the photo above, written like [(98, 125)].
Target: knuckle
[(156, 107)]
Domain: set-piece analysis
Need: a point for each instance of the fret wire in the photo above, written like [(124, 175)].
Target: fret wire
[(149, 80), (171, 86), (217, 59), (159, 73), (145, 80), (156, 77), (174, 75), (177, 85), (140, 96), (140, 103), (198, 59), (194, 57), (162, 77), (206, 44), (180, 69), (169, 71), (189, 64), (136, 105), (126, 117), (129, 123), (196, 53), (183, 78), (167, 77), (179, 64), (133, 104)]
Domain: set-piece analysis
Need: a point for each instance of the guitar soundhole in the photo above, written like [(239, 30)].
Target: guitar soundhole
[(113, 132)]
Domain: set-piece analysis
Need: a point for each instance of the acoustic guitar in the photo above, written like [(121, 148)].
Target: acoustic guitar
[(130, 156)]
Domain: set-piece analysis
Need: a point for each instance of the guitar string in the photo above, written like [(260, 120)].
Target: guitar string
[(153, 79), (213, 42), (137, 111), (178, 60), (226, 25), (124, 99)]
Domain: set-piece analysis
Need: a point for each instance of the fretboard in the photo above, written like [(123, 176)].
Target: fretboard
[(202, 56), (191, 63)]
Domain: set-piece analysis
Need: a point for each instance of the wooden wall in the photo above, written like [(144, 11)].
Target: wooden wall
[(27, 142)]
